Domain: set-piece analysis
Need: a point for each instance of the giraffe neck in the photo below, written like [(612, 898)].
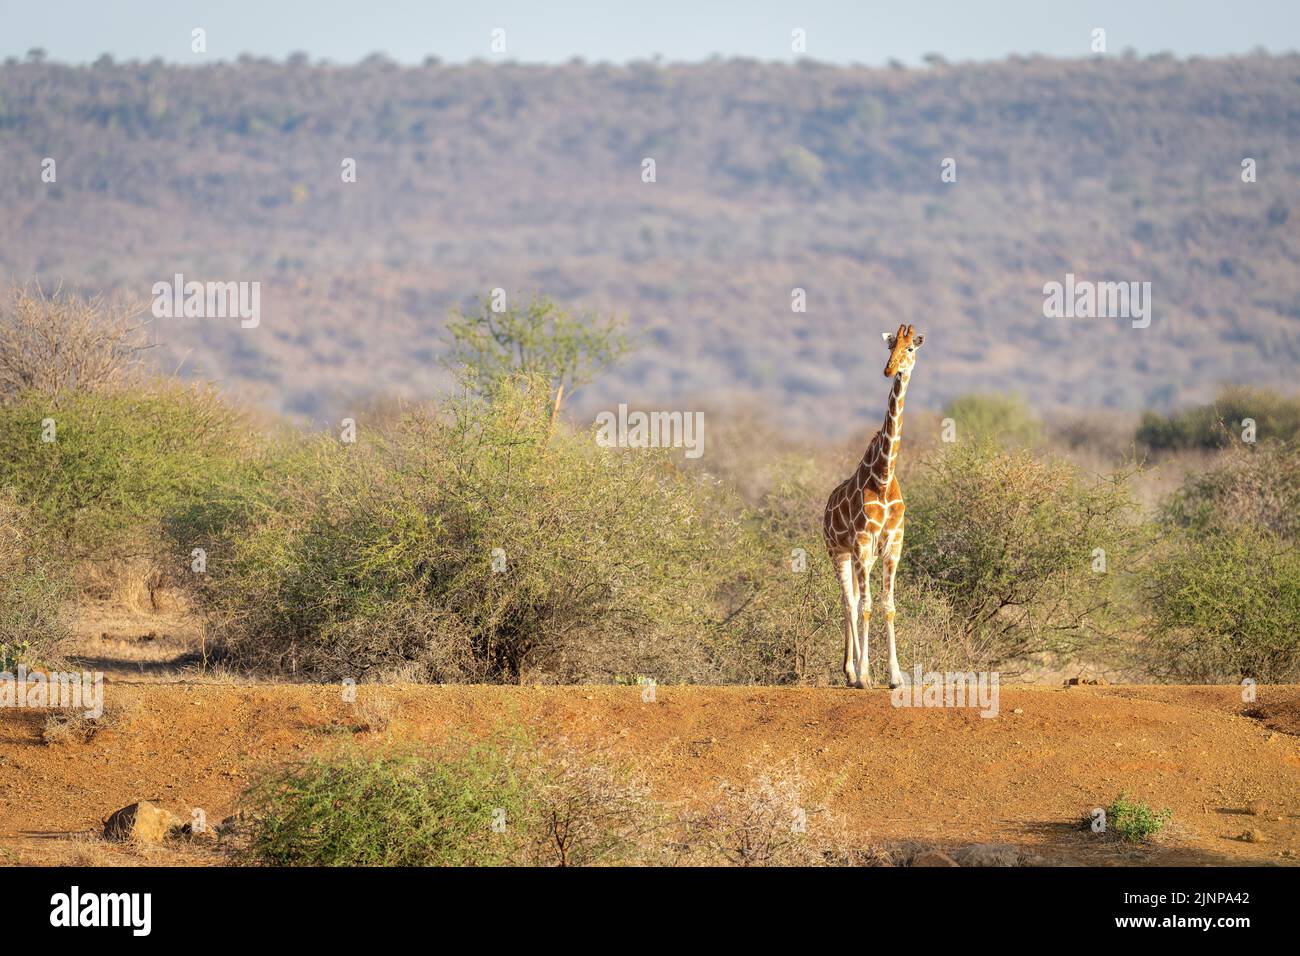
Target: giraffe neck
[(882, 472)]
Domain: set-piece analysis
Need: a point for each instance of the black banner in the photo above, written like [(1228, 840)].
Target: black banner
[(333, 906)]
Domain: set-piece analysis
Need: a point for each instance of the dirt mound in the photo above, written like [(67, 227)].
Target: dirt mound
[(1280, 715), (945, 778)]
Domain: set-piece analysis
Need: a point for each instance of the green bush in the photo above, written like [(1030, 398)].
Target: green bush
[(1010, 544), (470, 544), (120, 462), (1003, 419), (1225, 605), (391, 809), (1223, 588), (1257, 486), (1219, 424), (34, 589)]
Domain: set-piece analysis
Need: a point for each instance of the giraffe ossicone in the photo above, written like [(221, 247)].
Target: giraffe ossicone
[(864, 521)]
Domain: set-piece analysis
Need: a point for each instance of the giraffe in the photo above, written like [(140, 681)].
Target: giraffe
[(864, 521)]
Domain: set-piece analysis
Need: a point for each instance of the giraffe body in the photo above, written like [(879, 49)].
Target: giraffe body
[(864, 521)]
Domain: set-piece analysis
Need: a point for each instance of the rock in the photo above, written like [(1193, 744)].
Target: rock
[(142, 822), (933, 858), (989, 854), (1255, 808)]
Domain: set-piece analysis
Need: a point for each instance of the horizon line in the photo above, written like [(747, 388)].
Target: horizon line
[(928, 62)]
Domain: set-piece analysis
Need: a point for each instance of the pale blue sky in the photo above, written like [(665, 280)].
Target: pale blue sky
[(838, 31)]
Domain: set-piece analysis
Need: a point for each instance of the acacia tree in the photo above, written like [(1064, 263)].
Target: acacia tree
[(537, 337)]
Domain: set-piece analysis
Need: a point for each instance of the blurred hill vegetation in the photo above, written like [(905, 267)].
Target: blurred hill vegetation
[(768, 177)]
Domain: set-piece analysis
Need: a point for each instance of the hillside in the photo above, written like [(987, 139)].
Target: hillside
[(769, 177)]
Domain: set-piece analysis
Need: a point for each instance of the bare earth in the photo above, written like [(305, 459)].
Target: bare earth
[(939, 776)]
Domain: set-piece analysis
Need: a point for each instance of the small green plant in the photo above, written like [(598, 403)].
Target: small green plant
[(1134, 821), (11, 655)]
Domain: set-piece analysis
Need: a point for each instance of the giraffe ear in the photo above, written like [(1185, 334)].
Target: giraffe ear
[(917, 340), (889, 338)]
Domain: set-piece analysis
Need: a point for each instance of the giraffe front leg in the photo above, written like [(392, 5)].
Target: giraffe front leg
[(848, 590), (893, 552), (864, 563)]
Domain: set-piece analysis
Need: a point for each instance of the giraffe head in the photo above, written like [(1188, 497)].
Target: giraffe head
[(902, 349)]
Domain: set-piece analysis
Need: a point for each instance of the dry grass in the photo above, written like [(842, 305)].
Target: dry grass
[(374, 713), (593, 811), (770, 820), (132, 583), (71, 726), (90, 849)]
